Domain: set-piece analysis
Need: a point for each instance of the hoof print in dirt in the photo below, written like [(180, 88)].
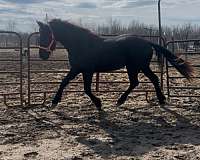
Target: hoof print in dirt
[(30, 155), (72, 158), (51, 106)]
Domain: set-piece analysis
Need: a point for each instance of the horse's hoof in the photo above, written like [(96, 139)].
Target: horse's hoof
[(165, 103), (162, 103), (98, 104), (52, 106), (99, 108), (162, 100), (119, 103), (121, 100)]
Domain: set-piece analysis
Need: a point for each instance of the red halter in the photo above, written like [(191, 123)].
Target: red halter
[(48, 48)]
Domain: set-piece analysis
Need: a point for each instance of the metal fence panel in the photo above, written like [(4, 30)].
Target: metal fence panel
[(41, 74), (177, 85), (11, 78)]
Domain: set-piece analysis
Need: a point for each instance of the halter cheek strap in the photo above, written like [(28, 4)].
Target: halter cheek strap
[(48, 49)]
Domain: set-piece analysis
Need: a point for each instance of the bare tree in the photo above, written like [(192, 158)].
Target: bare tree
[(11, 26)]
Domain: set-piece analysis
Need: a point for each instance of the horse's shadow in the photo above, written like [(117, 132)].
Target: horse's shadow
[(137, 138)]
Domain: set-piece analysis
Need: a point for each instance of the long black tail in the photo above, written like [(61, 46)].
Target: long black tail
[(182, 66)]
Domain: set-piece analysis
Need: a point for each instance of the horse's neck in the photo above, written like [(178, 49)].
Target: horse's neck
[(79, 41)]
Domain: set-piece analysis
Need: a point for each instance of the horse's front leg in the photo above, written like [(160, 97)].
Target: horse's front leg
[(87, 77), (70, 76)]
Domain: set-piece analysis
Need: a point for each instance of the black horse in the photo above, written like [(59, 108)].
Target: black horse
[(89, 53)]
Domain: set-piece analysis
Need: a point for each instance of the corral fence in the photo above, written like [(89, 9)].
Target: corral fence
[(177, 85), (27, 79), (11, 76)]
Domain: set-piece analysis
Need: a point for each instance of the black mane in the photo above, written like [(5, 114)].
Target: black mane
[(73, 26)]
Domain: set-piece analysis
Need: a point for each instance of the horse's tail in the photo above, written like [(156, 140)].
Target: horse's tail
[(182, 66)]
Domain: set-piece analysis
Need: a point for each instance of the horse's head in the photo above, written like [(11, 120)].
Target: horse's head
[(47, 41)]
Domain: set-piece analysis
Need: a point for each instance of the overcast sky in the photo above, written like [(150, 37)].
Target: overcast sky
[(25, 12)]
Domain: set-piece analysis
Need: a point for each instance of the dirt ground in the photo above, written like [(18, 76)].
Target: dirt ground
[(75, 130)]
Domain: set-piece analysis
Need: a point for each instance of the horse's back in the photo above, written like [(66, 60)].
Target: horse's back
[(135, 49), (121, 51), (116, 53)]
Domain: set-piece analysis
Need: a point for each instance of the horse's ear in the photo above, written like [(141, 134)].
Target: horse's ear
[(40, 23)]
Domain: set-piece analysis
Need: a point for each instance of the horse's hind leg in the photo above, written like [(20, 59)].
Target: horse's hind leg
[(154, 79), (133, 78), (87, 77)]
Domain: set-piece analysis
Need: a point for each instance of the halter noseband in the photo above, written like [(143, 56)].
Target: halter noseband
[(48, 48)]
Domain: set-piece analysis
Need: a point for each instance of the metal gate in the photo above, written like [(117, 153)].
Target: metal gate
[(37, 68), (45, 76), (177, 85), (11, 78)]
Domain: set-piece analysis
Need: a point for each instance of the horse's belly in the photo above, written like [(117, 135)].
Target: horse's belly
[(108, 68), (104, 65)]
